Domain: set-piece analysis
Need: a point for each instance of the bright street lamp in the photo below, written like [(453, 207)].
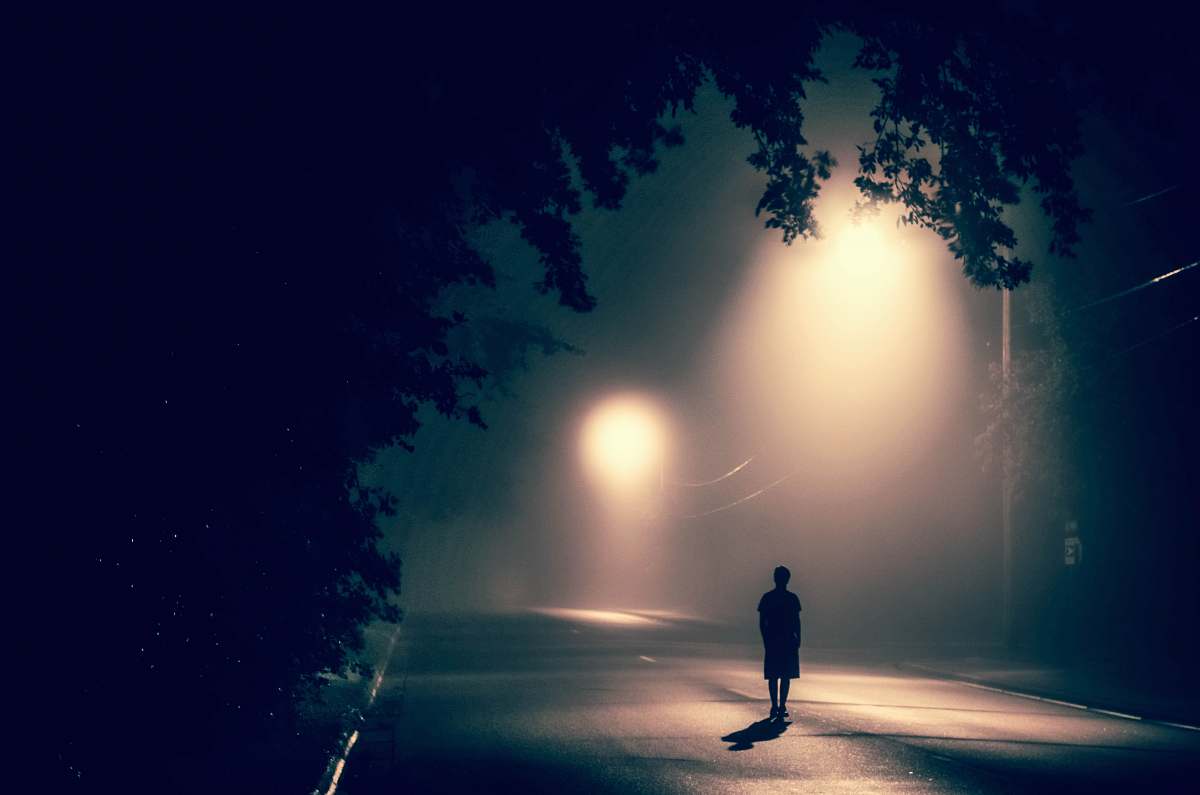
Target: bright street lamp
[(624, 443)]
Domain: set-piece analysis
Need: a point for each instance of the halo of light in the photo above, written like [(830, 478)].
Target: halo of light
[(848, 350), (623, 442)]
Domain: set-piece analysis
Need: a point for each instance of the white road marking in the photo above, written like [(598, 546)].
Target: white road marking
[(1179, 725), (1071, 704), (340, 765), (1030, 696), (647, 659), (1117, 714)]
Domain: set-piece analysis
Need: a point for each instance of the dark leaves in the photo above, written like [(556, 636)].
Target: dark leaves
[(998, 117), (296, 206)]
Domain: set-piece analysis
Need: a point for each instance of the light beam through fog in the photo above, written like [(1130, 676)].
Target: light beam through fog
[(844, 351), (623, 444)]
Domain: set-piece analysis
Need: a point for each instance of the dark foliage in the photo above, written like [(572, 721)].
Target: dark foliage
[(964, 120), (241, 228)]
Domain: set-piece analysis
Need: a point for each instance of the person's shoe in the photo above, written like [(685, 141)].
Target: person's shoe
[(774, 713), (782, 713)]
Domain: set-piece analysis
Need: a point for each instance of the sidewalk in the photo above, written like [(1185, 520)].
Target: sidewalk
[(1101, 689)]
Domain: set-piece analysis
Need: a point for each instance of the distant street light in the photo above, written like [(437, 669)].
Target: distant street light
[(624, 443)]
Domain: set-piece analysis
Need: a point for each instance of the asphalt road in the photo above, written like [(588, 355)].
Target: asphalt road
[(562, 703)]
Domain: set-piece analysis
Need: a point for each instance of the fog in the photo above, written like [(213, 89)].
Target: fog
[(847, 369)]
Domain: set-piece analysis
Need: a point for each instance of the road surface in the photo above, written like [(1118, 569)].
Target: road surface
[(598, 702)]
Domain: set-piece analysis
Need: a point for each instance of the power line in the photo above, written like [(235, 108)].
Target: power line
[(738, 502), (1158, 336), (1097, 370), (1148, 197), (698, 484), (1136, 287)]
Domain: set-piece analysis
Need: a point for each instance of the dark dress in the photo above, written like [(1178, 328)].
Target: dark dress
[(780, 623)]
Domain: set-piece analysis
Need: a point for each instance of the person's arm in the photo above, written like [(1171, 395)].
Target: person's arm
[(762, 621), (796, 624)]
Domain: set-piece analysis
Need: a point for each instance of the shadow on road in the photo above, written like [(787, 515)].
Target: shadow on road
[(757, 732)]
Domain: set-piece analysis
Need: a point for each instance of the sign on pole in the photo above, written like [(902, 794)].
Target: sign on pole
[(1072, 546)]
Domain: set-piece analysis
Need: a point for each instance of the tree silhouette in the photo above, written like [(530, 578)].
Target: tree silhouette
[(994, 117), (245, 227)]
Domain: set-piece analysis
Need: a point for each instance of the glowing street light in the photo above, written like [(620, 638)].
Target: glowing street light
[(846, 353), (624, 443)]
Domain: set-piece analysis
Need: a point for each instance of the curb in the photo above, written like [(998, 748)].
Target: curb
[(337, 763), (1036, 695)]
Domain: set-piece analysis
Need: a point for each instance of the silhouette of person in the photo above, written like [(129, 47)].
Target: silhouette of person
[(779, 624)]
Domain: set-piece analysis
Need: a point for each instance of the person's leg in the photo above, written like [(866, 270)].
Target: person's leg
[(785, 685), (773, 689)]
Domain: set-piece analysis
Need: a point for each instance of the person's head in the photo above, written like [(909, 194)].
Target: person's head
[(782, 575)]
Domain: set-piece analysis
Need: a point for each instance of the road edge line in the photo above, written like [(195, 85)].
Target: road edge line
[(337, 763), (983, 684)]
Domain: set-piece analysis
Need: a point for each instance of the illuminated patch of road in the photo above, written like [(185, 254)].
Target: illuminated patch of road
[(609, 617)]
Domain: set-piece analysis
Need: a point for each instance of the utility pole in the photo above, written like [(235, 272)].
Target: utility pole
[(1007, 465)]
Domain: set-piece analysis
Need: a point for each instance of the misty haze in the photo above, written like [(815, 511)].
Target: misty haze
[(519, 406)]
